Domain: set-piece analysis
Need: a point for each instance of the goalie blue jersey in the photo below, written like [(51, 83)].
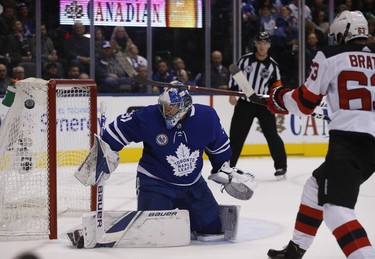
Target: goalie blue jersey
[(172, 155)]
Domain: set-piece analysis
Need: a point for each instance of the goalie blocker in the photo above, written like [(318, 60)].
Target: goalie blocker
[(164, 228)]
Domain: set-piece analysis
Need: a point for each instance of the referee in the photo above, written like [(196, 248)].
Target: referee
[(263, 74)]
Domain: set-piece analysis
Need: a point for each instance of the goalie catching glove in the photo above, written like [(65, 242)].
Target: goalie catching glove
[(235, 182), (99, 163)]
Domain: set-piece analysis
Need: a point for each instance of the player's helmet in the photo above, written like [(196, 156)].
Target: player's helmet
[(174, 103), (352, 25), (263, 36)]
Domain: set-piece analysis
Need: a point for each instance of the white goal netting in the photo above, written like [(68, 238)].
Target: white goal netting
[(27, 188)]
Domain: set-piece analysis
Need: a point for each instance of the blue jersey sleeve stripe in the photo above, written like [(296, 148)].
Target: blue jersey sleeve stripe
[(119, 133), (221, 149), (113, 136)]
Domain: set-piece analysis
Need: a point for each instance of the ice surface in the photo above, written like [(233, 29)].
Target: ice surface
[(266, 221)]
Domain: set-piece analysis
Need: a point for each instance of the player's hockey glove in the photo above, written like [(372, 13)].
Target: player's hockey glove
[(235, 182), (99, 163), (275, 101)]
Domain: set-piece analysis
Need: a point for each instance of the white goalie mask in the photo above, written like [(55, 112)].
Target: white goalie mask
[(174, 103), (352, 25)]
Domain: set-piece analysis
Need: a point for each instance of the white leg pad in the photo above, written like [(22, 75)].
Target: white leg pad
[(139, 229), (229, 215), (89, 229)]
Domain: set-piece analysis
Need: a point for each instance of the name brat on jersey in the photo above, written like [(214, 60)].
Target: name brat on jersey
[(362, 61)]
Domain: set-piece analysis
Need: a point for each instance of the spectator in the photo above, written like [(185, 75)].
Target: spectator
[(4, 78), (48, 51), (250, 25), (50, 71), (286, 25), (99, 40), (138, 88), (134, 58), (341, 8), (321, 21), (293, 5), (77, 48), (322, 38), (162, 73), (18, 73), (110, 76), (83, 76), (183, 76), (28, 23), (219, 73), (177, 64), (73, 72), (120, 41), (349, 5), (311, 50), (7, 19), (17, 46), (317, 6), (285, 46), (267, 21)]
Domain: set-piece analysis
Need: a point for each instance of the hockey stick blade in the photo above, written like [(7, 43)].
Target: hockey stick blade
[(244, 85)]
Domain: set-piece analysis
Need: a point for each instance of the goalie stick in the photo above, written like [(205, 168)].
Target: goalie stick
[(245, 86), (100, 186)]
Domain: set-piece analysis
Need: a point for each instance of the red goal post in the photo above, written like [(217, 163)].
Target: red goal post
[(41, 148)]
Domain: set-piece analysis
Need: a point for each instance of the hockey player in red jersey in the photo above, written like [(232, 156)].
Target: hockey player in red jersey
[(345, 75)]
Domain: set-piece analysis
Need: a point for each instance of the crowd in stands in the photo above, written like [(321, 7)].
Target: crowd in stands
[(280, 19), (69, 56)]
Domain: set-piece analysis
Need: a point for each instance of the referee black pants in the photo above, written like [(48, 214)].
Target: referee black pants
[(243, 117)]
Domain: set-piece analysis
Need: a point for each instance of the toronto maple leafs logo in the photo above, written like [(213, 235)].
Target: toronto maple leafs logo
[(184, 163)]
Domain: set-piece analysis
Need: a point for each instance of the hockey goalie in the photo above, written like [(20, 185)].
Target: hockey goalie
[(175, 203)]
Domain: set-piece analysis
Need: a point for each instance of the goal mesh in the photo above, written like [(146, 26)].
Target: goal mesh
[(40, 149)]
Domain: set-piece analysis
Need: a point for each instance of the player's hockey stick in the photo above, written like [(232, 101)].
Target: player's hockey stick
[(245, 86), (129, 69), (100, 186)]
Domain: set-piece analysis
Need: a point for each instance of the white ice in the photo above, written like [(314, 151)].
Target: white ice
[(266, 220)]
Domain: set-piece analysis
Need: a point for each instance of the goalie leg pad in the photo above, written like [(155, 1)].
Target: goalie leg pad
[(162, 228), (229, 215), (99, 163)]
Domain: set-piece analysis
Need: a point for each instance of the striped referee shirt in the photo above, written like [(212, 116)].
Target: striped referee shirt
[(262, 75)]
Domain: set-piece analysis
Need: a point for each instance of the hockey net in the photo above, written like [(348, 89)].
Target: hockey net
[(40, 149)]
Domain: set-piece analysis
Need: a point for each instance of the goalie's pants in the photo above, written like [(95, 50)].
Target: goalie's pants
[(203, 209)]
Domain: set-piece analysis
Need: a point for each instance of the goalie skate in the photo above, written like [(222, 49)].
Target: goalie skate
[(76, 238)]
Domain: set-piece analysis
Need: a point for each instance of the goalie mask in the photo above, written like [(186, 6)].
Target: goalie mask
[(174, 103), (352, 25)]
